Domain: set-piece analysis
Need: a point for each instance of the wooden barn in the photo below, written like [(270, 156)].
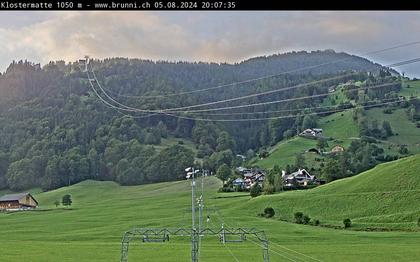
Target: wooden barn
[(20, 201)]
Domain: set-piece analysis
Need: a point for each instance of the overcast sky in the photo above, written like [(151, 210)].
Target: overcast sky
[(205, 36)]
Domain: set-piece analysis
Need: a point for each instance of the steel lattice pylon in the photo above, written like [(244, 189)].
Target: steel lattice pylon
[(163, 234)]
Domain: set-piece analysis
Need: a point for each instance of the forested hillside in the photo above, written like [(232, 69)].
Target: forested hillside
[(54, 131)]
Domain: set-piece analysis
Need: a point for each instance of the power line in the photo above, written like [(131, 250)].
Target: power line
[(281, 117), (273, 111), (256, 104), (230, 251), (280, 101), (415, 60), (256, 119), (273, 75), (258, 244), (275, 252), (163, 111), (296, 252)]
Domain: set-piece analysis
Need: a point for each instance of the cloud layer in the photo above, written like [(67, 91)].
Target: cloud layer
[(204, 36)]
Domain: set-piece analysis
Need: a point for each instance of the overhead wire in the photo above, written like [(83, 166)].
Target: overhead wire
[(273, 75), (256, 119), (176, 109), (291, 258), (282, 100), (281, 117)]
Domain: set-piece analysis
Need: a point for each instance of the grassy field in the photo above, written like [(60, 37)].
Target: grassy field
[(384, 196), (414, 89), (285, 152), (171, 141), (407, 132), (92, 228), (339, 126)]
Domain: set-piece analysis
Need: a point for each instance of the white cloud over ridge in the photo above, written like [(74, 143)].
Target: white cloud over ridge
[(204, 36)]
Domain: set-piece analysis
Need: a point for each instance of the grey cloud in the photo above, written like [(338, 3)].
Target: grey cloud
[(206, 36)]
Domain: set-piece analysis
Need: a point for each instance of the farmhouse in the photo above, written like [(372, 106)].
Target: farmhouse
[(298, 178), (249, 177), (314, 132), (20, 201), (239, 182)]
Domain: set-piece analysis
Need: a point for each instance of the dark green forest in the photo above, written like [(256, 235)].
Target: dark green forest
[(54, 131)]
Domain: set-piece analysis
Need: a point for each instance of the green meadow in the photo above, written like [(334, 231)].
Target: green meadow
[(385, 197)]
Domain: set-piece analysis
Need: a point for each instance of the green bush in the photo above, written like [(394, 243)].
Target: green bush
[(347, 223), (306, 219), (298, 217), (269, 212), (225, 190), (316, 223), (418, 222), (255, 190), (387, 111)]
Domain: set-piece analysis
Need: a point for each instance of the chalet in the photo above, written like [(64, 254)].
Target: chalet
[(313, 132), (22, 201), (243, 170), (239, 182), (249, 177), (298, 178)]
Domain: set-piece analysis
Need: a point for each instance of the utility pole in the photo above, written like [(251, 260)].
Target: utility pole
[(193, 198), (194, 242), (201, 201)]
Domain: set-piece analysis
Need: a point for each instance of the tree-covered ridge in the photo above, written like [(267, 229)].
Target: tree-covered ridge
[(54, 131)]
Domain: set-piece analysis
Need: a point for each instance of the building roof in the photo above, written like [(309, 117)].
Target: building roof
[(15, 197), (238, 180)]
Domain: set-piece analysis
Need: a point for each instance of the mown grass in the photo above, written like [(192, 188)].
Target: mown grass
[(92, 228), (384, 196), (406, 132), (413, 90), (340, 127), (285, 152)]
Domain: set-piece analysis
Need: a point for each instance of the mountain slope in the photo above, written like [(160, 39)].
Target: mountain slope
[(385, 196)]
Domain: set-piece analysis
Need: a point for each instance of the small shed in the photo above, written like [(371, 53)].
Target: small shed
[(20, 201)]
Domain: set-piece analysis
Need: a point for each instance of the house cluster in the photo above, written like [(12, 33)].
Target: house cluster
[(312, 132), (14, 202), (249, 176)]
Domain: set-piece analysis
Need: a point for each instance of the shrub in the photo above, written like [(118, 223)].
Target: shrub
[(347, 223), (226, 189), (387, 111), (306, 219), (298, 217), (268, 189), (269, 212), (316, 223), (66, 200), (255, 190), (264, 154), (418, 222), (403, 150)]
